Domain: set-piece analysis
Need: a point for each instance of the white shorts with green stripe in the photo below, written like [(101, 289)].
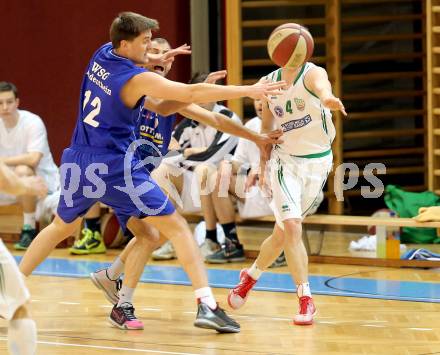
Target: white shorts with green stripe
[(297, 184), (13, 291)]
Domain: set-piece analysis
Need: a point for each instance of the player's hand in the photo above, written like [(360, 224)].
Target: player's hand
[(169, 56), (251, 180), (174, 144), (335, 104), (273, 137), (263, 89), (35, 186), (215, 76)]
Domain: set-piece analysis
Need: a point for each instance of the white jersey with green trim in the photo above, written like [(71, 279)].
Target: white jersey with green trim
[(307, 125)]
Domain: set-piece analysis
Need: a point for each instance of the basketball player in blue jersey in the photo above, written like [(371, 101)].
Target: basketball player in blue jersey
[(100, 164), (155, 129), (152, 127)]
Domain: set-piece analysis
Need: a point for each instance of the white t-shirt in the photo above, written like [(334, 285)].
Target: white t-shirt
[(203, 136), (247, 151), (29, 135), (218, 144)]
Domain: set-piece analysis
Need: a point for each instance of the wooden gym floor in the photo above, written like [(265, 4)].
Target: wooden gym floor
[(71, 315)]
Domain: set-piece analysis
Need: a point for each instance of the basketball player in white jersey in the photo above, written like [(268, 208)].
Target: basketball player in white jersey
[(298, 169), (22, 331)]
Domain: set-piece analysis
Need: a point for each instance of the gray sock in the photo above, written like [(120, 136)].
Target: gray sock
[(116, 269)]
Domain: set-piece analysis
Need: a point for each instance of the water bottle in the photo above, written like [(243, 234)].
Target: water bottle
[(381, 239), (392, 240)]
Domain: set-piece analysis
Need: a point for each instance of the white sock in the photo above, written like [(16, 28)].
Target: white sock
[(303, 290), (205, 296), (22, 336), (254, 271), (116, 269), (125, 295), (29, 219)]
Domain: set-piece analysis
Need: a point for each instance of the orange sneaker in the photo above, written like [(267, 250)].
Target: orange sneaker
[(238, 295), (306, 311)]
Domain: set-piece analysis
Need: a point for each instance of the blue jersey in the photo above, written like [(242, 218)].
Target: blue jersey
[(103, 119), (156, 129), (104, 130)]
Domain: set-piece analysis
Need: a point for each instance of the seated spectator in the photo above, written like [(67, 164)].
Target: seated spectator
[(180, 175), (235, 181), (25, 149), (12, 184)]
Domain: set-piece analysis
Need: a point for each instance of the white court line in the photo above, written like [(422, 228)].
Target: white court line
[(111, 348), (375, 321), (106, 306), (152, 309), (421, 329)]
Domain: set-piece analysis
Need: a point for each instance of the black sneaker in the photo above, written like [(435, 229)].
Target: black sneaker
[(280, 261), (27, 235), (229, 253), (215, 319), (123, 317)]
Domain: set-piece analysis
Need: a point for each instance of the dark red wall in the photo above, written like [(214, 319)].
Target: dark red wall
[(45, 46)]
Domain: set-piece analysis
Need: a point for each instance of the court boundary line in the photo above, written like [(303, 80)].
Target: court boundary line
[(329, 290), (104, 347)]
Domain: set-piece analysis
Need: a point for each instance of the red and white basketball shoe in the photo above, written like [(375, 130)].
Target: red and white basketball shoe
[(238, 295), (306, 311)]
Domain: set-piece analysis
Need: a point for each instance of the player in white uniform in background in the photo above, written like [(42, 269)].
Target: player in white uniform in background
[(14, 295), (298, 171)]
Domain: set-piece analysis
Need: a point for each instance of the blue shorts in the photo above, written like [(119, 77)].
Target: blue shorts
[(90, 175)]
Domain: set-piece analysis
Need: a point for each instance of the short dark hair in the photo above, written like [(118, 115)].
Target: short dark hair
[(128, 25), (198, 78), (161, 40), (6, 86)]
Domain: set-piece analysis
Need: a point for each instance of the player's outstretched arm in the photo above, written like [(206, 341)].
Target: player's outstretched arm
[(164, 107), (168, 107), (151, 84), (222, 123), (12, 184), (316, 80)]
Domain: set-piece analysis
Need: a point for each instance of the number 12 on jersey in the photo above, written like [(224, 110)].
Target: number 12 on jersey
[(96, 104)]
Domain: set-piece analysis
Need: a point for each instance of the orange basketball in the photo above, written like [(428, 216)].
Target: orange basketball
[(290, 45)]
